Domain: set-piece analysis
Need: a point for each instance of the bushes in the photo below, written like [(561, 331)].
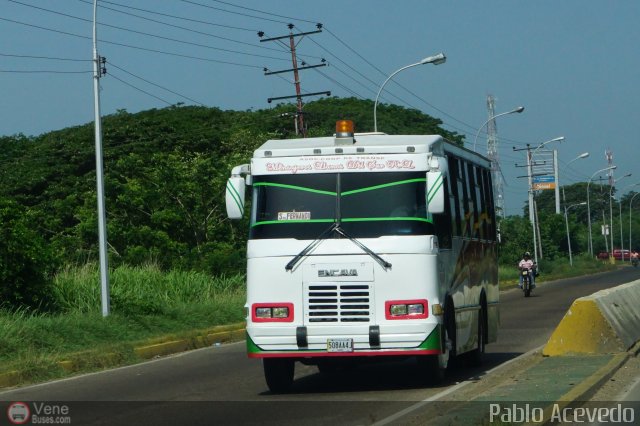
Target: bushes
[(26, 262)]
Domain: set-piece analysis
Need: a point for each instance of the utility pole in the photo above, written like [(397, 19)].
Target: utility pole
[(300, 127), (98, 71), (492, 154), (533, 216)]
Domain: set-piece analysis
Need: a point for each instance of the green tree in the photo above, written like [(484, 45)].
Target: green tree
[(25, 261)]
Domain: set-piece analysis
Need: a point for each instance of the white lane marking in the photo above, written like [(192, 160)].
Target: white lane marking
[(452, 389)]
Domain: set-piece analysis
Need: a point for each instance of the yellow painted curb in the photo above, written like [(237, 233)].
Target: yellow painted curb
[(584, 330), (221, 334), (10, 378), (159, 349)]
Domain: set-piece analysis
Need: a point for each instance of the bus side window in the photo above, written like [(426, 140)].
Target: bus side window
[(443, 221), (488, 190), (473, 201), (454, 205), (463, 198), (482, 204)]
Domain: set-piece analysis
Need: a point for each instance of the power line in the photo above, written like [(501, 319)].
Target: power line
[(177, 17), (235, 13), (149, 34), (262, 11), (140, 90), (132, 46), (44, 72), (44, 57), (155, 84)]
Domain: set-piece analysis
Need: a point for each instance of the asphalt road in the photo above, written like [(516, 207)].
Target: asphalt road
[(220, 385)]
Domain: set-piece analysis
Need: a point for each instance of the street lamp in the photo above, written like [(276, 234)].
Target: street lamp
[(516, 110), (583, 155), (532, 216), (589, 206), (611, 210), (438, 59), (566, 220)]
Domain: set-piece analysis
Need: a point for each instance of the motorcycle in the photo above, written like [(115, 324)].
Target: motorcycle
[(526, 282)]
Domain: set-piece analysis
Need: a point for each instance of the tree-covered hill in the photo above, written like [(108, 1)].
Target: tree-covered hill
[(165, 172)]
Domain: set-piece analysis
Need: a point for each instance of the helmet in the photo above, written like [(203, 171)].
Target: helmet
[(526, 254)]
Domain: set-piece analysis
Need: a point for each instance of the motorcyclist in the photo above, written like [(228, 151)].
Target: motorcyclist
[(527, 263)]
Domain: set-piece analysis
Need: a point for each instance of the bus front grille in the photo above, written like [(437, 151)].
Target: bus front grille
[(338, 302)]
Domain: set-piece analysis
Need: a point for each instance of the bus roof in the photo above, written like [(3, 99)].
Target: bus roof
[(365, 143)]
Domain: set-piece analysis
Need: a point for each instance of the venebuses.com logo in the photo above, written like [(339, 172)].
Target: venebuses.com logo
[(18, 413)]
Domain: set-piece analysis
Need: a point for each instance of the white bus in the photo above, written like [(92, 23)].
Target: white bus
[(367, 245)]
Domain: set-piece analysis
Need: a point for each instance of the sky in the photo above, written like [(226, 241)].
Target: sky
[(573, 64)]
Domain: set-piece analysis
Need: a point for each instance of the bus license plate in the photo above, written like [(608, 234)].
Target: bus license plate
[(339, 345)]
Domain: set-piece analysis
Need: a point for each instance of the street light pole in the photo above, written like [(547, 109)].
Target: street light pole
[(611, 213), (631, 201), (515, 110), (102, 221), (589, 206), (566, 220), (583, 155), (438, 59)]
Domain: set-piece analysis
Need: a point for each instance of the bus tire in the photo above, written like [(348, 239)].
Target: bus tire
[(450, 333), (476, 355), (278, 373)]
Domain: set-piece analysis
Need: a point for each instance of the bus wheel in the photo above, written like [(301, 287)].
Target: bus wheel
[(475, 356), (278, 373), (450, 330)]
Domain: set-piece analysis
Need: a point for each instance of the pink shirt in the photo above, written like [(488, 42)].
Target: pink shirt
[(528, 264)]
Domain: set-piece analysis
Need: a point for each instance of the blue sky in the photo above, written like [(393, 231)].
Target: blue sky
[(573, 64)]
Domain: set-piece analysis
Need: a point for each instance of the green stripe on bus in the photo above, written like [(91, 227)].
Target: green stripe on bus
[(432, 341), (236, 196), (352, 219), (433, 189), (345, 193), (378, 219), (281, 222), (386, 185), (295, 187)]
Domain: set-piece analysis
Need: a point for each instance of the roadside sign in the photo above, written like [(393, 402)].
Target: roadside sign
[(543, 179), (543, 186)]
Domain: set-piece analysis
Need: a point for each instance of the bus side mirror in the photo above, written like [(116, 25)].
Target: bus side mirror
[(234, 197), (435, 192)]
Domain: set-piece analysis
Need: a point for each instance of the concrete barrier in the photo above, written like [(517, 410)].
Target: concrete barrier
[(605, 322)]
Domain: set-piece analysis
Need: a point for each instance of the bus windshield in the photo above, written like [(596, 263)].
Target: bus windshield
[(367, 205)]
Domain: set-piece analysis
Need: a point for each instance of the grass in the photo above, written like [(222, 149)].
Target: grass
[(145, 303)]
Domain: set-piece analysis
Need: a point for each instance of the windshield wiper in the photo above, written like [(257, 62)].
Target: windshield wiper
[(310, 247), (376, 257), (335, 227)]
